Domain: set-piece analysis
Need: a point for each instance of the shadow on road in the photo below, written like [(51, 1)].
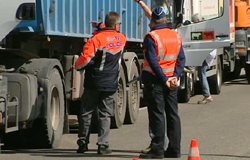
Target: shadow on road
[(230, 80), (72, 153), (239, 81)]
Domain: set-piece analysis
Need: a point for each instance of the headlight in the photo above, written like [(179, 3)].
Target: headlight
[(239, 44)]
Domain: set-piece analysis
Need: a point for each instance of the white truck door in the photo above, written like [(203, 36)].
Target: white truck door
[(212, 32), (8, 18)]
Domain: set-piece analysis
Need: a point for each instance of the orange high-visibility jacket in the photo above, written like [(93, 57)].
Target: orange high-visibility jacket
[(168, 44), (101, 58)]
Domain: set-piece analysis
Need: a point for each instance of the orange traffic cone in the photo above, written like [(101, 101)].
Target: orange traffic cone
[(194, 151)]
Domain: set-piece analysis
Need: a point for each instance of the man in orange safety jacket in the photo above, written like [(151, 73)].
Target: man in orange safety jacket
[(164, 63), (101, 58)]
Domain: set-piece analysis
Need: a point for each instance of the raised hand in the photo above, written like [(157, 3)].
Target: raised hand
[(94, 23)]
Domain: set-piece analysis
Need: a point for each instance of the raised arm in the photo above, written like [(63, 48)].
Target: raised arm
[(145, 8)]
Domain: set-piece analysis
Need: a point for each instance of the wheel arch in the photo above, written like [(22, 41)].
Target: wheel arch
[(42, 125), (37, 68)]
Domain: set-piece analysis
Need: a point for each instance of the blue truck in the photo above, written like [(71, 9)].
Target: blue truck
[(40, 40)]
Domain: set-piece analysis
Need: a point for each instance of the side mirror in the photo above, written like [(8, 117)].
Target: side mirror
[(26, 11)]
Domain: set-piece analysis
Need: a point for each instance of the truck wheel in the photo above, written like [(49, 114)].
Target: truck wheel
[(49, 130), (215, 81), (120, 102), (247, 68), (185, 94), (133, 96)]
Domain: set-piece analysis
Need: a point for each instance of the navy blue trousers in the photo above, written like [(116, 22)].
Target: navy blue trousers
[(161, 99)]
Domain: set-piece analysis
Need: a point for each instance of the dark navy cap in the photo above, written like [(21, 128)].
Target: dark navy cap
[(158, 13)]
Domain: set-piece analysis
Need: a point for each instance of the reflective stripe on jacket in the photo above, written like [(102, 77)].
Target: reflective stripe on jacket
[(101, 58), (168, 44)]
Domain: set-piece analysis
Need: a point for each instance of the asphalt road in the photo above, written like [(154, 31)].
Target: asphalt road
[(222, 129)]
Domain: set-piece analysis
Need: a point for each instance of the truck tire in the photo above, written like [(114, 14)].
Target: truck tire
[(185, 94), (247, 68), (133, 96), (215, 81), (48, 130), (120, 100)]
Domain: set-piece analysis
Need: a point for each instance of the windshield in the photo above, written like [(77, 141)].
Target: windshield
[(197, 11), (167, 6)]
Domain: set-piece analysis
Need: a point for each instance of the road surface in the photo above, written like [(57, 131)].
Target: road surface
[(222, 129)]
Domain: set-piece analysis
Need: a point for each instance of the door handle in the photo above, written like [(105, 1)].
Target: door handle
[(222, 36)]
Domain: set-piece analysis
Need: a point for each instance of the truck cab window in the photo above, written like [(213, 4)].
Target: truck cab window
[(201, 10)]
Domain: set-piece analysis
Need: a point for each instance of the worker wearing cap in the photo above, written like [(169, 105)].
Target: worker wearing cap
[(163, 65), (101, 59), (148, 13)]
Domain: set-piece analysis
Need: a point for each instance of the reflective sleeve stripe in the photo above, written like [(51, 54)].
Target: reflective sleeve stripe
[(88, 53), (179, 44), (86, 62), (160, 48), (103, 61), (164, 69)]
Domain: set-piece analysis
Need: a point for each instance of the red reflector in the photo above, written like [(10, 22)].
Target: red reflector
[(242, 50)]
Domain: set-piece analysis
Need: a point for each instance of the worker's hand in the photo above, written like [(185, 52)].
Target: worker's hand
[(172, 83), (168, 84), (94, 23)]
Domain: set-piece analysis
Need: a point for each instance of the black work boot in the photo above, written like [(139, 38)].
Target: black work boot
[(82, 147), (151, 155), (146, 149), (170, 154), (104, 149)]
